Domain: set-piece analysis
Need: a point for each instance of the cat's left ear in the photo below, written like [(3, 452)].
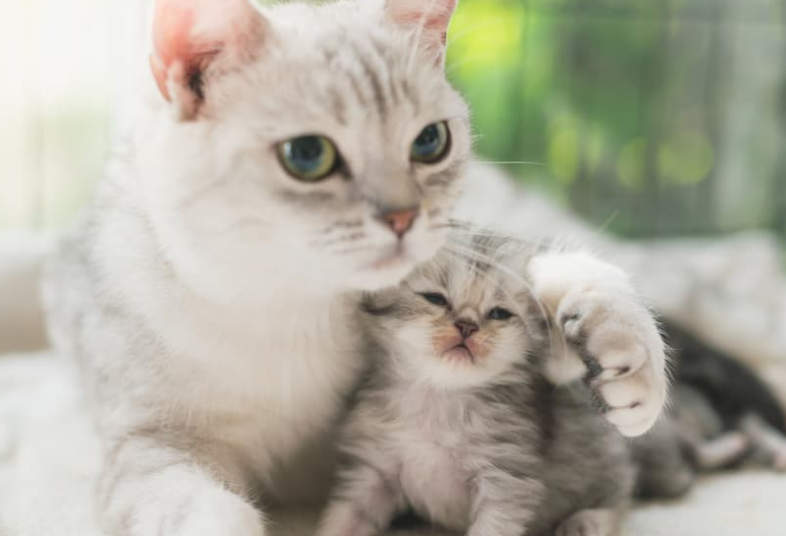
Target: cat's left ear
[(192, 38), (431, 19)]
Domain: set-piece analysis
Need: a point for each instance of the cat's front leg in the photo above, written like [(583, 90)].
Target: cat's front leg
[(148, 489), (363, 504), (607, 336), (503, 504)]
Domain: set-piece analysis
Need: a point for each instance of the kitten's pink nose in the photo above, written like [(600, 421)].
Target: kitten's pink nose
[(467, 328), (400, 221)]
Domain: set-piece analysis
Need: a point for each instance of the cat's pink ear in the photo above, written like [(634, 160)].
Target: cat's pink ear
[(191, 36), (430, 17)]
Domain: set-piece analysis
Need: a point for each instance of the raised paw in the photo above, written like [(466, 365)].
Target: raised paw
[(605, 334), (619, 343)]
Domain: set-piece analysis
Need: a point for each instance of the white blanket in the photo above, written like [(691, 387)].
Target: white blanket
[(49, 457)]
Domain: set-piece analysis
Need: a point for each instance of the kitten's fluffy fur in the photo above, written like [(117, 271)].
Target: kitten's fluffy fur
[(692, 438), (211, 300), (474, 439)]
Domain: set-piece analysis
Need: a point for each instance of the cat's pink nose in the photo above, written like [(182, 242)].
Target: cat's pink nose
[(400, 221), (467, 328)]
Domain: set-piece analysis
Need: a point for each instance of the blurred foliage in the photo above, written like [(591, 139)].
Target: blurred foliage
[(655, 118)]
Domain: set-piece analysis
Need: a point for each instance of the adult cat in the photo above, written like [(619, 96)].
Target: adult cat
[(298, 156)]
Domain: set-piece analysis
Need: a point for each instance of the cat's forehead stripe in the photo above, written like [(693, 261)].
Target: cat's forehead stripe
[(373, 69)]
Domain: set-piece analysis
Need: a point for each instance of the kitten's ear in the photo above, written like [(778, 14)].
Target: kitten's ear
[(430, 17), (190, 36)]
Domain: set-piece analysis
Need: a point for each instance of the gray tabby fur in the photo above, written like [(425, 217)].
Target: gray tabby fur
[(487, 445)]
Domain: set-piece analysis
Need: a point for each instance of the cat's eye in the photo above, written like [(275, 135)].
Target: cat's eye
[(435, 298), (498, 313), (432, 144), (309, 158)]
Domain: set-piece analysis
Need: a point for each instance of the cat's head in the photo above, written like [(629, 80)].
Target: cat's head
[(321, 141), (467, 318)]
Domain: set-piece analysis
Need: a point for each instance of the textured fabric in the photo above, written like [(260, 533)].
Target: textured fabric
[(49, 458)]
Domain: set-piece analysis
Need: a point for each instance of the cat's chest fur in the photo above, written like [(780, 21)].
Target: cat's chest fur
[(263, 376), (286, 369)]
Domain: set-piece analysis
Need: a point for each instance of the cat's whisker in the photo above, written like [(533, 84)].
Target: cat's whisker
[(542, 309), (488, 233), (342, 225), (601, 231), (466, 32), (470, 254), (345, 238), (512, 162), (518, 309), (350, 250), (476, 58)]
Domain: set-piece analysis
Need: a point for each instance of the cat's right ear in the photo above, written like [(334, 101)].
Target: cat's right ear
[(431, 19), (192, 37)]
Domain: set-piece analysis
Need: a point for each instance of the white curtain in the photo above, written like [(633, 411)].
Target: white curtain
[(67, 71)]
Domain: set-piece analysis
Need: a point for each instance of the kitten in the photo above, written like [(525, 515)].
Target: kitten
[(457, 419), (693, 438), (292, 157), (721, 414)]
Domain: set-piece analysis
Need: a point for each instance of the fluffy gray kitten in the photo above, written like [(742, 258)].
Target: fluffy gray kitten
[(692, 438), (458, 421)]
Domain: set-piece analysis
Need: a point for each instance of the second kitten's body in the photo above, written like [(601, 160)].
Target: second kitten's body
[(459, 422)]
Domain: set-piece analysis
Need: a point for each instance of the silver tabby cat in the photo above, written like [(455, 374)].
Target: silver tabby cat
[(290, 158), (457, 419)]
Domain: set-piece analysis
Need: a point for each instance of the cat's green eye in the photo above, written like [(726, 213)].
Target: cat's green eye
[(309, 158), (432, 144)]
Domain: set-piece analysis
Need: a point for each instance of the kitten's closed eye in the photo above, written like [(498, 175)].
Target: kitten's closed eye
[(435, 298), (498, 313)]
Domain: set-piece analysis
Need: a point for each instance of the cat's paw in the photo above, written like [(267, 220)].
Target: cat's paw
[(590, 523), (212, 513), (599, 317), (618, 341)]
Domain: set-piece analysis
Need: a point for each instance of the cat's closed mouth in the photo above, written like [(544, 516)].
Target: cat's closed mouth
[(391, 258), (460, 352)]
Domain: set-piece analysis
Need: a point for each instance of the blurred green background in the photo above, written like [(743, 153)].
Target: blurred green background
[(647, 117), (655, 118)]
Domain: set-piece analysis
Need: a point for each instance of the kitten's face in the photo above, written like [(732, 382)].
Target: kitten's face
[(458, 323), (334, 156)]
